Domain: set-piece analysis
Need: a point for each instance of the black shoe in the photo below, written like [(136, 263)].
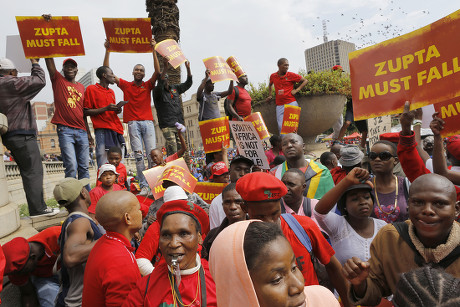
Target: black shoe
[(47, 212)]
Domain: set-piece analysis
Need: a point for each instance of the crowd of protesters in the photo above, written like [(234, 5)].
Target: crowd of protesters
[(347, 228)]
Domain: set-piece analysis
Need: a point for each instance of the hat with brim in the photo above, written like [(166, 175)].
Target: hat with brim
[(70, 61), (350, 155), (68, 189), (343, 199), (240, 158), (6, 64)]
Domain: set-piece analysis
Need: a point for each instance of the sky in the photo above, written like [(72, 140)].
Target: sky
[(256, 32)]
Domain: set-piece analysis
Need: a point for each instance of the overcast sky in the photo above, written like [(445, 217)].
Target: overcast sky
[(256, 32)]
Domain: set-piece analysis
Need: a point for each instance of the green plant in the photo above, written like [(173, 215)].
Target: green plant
[(24, 209)]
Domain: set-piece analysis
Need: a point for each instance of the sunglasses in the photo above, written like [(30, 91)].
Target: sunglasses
[(384, 155)]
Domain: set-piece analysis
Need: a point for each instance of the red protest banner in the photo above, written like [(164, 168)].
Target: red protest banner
[(58, 37), (154, 174), (449, 111), (209, 190), (219, 69), (130, 35), (171, 50), (235, 66), (420, 66), (179, 175), (258, 122), (290, 119), (214, 132)]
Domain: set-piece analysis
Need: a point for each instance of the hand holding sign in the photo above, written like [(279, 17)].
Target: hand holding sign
[(171, 51), (219, 69)]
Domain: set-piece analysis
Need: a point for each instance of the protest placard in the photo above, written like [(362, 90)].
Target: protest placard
[(258, 122), (376, 126), (449, 111), (209, 190), (421, 66), (130, 35), (235, 66), (154, 174), (15, 53), (169, 49), (214, 132), (290, 119), (58, 37), (248, 143), (177, 174), (219, 69)]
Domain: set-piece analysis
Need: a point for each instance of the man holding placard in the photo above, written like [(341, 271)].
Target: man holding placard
[(168, 104), (239, 101), (209, 100), (138, 113)]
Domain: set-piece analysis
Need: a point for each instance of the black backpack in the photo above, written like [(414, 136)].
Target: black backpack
[(227, 112)]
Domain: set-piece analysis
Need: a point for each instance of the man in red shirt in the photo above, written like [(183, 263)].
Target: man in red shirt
[(261, 193), (35, 258), (284, 88), (239, 101), (137, 113), (100, 104), (111, 270)]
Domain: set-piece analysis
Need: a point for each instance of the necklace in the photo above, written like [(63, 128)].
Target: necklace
[(396, 197), (176, 296)]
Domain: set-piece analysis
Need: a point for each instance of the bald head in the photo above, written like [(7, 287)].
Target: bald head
[(336, 149), (113, 207), (433, 182)]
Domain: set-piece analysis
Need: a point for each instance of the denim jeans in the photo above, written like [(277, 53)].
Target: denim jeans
[(101, 154), (74, 151), (47, 289), (142, 137), (280, 113)]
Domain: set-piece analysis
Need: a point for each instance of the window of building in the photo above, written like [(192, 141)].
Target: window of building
[(53, 143)]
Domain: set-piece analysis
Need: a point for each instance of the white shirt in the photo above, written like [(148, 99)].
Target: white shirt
[(216, 212), (346, 242)]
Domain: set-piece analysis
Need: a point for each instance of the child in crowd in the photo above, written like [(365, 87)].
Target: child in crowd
[(107, 175), (114, 157), (157, 155)]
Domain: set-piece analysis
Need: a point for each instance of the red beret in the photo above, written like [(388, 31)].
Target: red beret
[(453, 146), (260, 186), (185, 207), (16, 254)]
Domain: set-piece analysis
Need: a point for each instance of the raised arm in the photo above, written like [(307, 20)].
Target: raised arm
[(106, 59), (181, 88), (199, 91), (156, 63), (301, 86), (51, 66), (228, 91), (77, 246), (418, 135)]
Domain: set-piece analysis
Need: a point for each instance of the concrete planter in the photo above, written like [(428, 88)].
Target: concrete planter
[(318, 114)]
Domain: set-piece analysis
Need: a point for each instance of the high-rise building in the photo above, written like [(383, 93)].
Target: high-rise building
[(328, 54), (88, 78)]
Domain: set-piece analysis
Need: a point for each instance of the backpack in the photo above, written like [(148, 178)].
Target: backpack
[(227, 111)]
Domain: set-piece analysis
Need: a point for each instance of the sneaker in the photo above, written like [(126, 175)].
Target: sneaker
[(144, 191), (47, 212)]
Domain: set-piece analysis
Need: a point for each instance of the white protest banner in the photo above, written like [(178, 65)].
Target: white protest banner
[(376, 126), (248, 143)]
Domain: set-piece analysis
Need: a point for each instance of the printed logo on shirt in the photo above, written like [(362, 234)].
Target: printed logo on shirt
[(174, 91), (74, 97), (280, 92)]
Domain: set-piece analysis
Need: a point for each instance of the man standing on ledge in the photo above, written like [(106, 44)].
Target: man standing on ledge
[(137, 113), (284, 88), (168, 104)]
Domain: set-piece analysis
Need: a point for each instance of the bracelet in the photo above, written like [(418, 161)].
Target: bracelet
[(417, 122)]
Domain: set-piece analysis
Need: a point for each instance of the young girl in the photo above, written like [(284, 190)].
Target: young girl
[(351, 233)]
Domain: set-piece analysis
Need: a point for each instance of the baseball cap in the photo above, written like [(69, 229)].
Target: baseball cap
[(16, 254), (218, 169), (260, 186), (239, 158), (173, 193), (69, 61), (6, 64), (68, 189), (105, 168)]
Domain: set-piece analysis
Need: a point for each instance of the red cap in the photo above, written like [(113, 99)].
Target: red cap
[(260, 186), (337, 67), (390, 136), (185, 207), (453, 146), (69, 60), (16, 254), (218, 169)]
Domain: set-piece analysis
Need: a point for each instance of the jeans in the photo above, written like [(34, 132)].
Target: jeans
[(24, 149), (280, 113), (142, 136), (172, 140), (101, 153), (47, 289), (74, 151)]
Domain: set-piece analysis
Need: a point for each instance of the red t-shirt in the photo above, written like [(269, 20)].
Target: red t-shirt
[(283, 87), (149, 244), (111, 271), (97, 193), (68, 102), (172, 157), (243, 104), (97, 97), (121, 180), (139, 105), (49, 239), (338, 174), (321, 249)]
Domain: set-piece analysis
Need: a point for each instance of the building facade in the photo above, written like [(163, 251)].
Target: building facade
[(325, 56)]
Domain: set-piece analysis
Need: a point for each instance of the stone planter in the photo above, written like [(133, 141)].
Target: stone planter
[(318, 114)]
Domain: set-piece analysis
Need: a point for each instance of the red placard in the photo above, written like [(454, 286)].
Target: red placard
[(421, 66), (449, 111), (219, 69), (235, 66), (290, 119), (130, 35), (154, 174), (180, 176), (258, 122), (171, 50), (209, 190), (59, 37), (214, 132)]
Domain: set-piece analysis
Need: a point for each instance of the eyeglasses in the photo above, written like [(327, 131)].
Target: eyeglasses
[(384, 155)]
